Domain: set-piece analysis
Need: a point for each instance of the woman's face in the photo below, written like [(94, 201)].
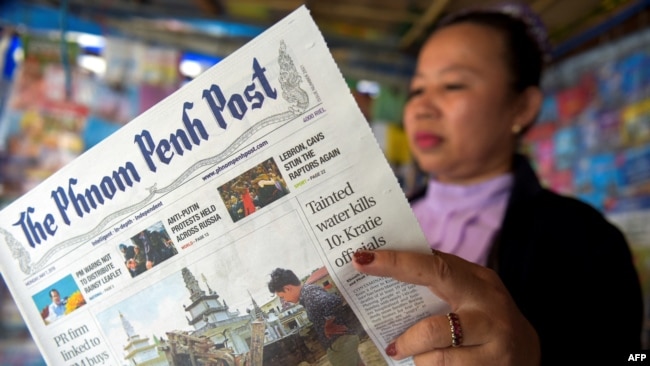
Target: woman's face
[(461, 109)]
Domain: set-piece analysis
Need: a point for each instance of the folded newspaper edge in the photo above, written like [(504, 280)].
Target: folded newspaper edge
[(219, 226)]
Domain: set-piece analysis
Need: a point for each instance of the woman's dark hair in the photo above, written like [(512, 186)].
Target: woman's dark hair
[(524, 53), (281, 277)]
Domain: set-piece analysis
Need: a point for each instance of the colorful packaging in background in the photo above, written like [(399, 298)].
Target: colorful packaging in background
[(55, 110), (594, 130), (592, 140), (43, 117)]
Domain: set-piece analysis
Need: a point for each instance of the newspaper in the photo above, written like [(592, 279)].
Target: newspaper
[(157, 245)]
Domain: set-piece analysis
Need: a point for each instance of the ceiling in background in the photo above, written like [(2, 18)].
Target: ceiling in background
[(370, 39)]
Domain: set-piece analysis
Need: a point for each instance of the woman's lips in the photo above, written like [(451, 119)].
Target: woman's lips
[(425, 140)]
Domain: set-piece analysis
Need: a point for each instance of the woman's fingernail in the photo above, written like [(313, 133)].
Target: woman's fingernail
[(391, 350), (364, 258)]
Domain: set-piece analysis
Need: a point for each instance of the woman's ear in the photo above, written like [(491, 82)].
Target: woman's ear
[(530, 102), (287, 289)]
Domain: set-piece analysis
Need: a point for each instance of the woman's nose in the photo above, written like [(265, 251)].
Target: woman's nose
[(425, 105)]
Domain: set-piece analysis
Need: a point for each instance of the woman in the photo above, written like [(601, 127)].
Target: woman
[(568, 271)]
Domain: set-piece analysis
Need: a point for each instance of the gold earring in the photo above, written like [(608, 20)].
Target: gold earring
[(516, 129)]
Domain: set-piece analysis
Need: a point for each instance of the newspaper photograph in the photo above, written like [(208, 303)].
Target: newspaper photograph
[(219, 227)]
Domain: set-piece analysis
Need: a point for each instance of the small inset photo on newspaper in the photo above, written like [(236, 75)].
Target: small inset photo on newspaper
[(253, 190), (59, 299), (146, 249)]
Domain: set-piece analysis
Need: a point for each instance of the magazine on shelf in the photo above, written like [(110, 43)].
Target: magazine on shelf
[(158, 245)]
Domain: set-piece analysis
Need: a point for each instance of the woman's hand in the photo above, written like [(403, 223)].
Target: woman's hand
[(494, 332)]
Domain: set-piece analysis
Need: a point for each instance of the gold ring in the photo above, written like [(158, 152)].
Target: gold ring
[(456, 330)]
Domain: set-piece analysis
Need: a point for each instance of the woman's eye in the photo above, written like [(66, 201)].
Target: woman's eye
[(454, 86)]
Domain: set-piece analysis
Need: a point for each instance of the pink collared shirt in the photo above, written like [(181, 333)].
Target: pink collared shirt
[(463, 220)]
